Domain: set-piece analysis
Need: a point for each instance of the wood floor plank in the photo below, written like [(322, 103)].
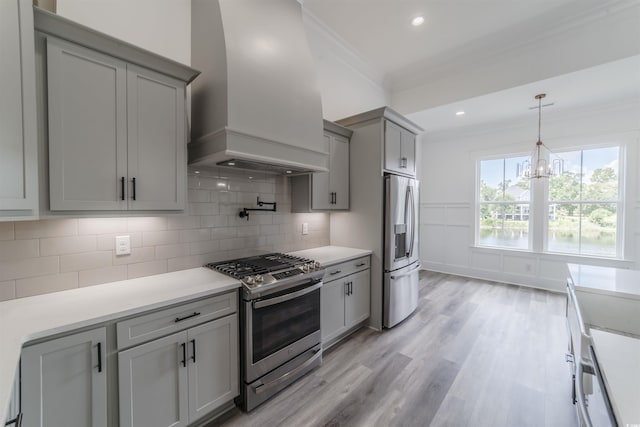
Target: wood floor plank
[(475, 353)]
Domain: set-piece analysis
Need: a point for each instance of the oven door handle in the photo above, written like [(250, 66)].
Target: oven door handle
[(286, 297), (261, 388)]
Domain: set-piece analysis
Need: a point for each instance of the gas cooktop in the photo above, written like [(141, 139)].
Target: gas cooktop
[(270, 271)]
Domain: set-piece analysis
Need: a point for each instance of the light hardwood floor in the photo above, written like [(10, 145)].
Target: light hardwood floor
[(475, 353)]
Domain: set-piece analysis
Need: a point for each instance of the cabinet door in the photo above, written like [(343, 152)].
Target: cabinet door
[(408, 152), (392, 147), (339, 177), (320, 183), (213, 365), (87, 128), (152, 383), (357, 304), (156, 140), (332, 314), (64, 381), (18, 155)]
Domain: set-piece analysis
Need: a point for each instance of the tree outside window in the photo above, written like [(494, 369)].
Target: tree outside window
[(504, 204), (584, 204)]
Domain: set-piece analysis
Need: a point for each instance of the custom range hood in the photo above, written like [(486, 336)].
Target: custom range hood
[(256, 104)]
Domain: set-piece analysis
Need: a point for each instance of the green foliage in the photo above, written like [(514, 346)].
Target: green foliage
[(603, 186), (603, 217), (565, 187)]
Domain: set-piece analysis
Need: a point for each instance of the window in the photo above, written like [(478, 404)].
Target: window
[(584, 203), (580, 215), (504, 204)]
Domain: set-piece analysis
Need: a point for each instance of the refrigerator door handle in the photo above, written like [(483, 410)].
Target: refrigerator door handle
[(413, 221), (407, 221), (417, 267)]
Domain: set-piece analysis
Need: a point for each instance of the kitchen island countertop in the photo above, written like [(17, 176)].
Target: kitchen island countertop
[(41, 316)]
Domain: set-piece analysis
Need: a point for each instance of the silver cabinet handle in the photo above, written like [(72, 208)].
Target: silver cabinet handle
[(333, 273), (292, 373), (417, 267), (260, 303), (361, 264)]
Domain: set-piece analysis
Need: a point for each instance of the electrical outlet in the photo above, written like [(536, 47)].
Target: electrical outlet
[(305, 228), (527, 268), (123, 245)]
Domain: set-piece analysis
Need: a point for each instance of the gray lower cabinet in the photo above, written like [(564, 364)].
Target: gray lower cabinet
[(117, 133), (18, 137), (345, 299), (177, 379), (64, 381)]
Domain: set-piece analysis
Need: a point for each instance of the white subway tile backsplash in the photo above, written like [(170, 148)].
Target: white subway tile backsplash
[(51, 255), (29, 267), (46, 228), (67, 245), (213, 220), (6, 231), (98, 276), (146, 253), (7, 290), (172, 251), (197, 248), (85, 261), (18, 249), (147, 223), (183, 222), (102, 225), (197, 235), (154, 238), (199, 196), (146, 269), (46, 284)]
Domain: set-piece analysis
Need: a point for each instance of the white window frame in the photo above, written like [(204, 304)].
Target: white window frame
[(539, 204), (479, 203), (620, 204)]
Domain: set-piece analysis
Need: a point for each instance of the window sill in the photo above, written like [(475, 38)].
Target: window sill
[(571, 258)]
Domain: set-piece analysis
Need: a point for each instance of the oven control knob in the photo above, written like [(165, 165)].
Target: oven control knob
[(250, 280), (306, 268), (316, 265), (258, 278)]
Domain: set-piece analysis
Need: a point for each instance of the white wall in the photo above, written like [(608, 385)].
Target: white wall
[(448, 175), (347, 83), (161, 26)]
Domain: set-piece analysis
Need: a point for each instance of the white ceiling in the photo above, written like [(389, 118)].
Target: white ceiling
[(615, 82), (380, 32)]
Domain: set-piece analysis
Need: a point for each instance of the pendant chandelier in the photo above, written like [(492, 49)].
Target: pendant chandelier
[(544, 163)]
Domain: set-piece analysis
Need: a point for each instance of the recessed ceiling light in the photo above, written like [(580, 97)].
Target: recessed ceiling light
[(196, 172), (460, 113), (289, 171), (417, 21), (231, 164)]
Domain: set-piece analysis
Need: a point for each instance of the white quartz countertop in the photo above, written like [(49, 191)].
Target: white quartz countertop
[(329, 255), (619, 360), (26, 319), (605, 280)]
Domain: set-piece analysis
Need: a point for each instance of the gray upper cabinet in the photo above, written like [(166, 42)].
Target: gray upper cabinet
[(87, 128), (18, 138), (326, 191), (399, 149), (116, 121)]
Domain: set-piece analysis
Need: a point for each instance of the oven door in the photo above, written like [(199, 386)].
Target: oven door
[(280, 327)]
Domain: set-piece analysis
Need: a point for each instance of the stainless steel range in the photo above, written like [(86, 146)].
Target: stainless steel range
[(280, 321)]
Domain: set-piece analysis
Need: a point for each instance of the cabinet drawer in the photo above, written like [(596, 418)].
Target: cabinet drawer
[(337, 271), (160, 323)]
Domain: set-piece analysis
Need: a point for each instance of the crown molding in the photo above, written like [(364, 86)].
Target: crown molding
[(346, 53)]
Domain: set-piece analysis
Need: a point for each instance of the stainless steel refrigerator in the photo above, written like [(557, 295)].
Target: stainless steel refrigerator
[(401, 252)]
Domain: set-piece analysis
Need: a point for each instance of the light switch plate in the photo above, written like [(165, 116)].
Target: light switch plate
[(123, 245), (305, 228)]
